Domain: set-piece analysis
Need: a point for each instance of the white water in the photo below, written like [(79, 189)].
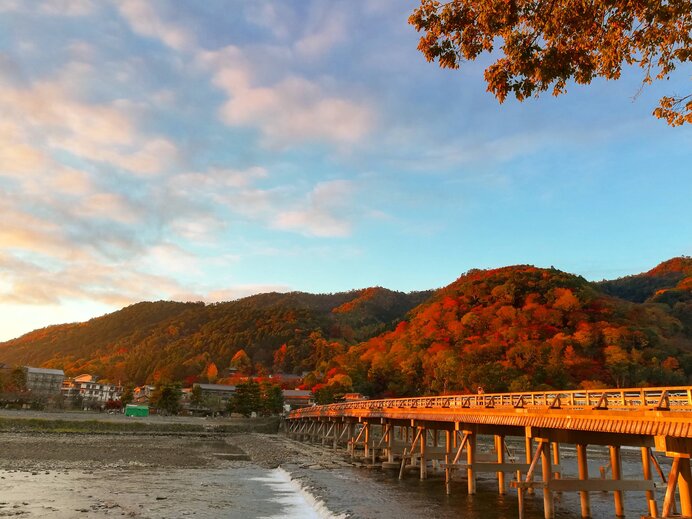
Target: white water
[(297, 500)]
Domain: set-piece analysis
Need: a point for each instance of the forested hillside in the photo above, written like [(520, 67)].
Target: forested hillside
[(148, 342), (514, 328), (520, 328)]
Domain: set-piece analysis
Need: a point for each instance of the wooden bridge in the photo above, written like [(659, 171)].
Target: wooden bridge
[(433, 434)]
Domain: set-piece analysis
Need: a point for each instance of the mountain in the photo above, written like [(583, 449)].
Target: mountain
[(672, 275), (513, 328), (152, 341), (521, 328)]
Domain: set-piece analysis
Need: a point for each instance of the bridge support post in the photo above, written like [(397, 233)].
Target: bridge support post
[(646, 469), (390, 443), (556, 459), (366, 440), (616, 469), (547, 474), (352, 438), (583, 469), (500, 451), (470, 460), (448, 460), (423, 447), (528, 441)]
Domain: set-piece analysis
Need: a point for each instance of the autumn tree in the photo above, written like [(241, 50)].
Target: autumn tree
[(166, 397), (546, 43), (212, 372), (241, 361)]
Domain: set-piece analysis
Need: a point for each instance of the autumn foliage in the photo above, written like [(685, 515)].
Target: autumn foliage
[(514, 328), (542, 45)]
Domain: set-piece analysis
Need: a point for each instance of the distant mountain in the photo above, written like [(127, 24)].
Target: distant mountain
[(151, 341), (513, 328), (674, 274)]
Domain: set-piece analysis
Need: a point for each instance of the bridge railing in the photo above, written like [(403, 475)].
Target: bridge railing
[(662, 398)]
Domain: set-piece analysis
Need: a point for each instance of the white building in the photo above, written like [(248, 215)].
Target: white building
[(90, 390)]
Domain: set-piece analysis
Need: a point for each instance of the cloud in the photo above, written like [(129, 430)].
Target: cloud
[(327, 29), (322, 213), (146, 19), (44, 113), (292, 110), (50, 7)]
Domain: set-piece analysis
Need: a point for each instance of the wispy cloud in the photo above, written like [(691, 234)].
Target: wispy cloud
[(50, 7), (323, 212), (148, 18)]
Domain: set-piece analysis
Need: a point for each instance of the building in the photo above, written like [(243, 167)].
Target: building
[(295, 398), (220, 391), (142, 394), (91, 391), (354, 397), (44, 381)]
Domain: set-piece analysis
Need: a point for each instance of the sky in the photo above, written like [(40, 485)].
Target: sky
[(206, 151)]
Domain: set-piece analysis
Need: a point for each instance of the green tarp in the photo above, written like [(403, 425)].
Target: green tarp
[(136, 410)]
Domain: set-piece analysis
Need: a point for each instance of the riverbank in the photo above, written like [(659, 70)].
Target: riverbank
[(210, 475)]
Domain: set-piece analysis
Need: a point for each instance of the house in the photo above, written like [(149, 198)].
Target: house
[(44, 381), (295, 398), (142, 394), (90, 391)]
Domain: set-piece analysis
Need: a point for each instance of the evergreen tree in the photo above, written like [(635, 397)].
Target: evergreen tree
[(272, 399), (166, 397), (247, 398)]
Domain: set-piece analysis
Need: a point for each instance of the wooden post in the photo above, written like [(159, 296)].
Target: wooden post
[(366, 440), (520, 496), (337, 435), (556, 459), (583, 468), (470, 460), (500, 451), (423, 443), (669, 500), (616, 469), (529, 455), (448, 460), (646, 469), (547, 473), (390, 443), (685, 487)]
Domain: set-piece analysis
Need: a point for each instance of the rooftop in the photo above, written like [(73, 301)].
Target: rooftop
[(45, 371)]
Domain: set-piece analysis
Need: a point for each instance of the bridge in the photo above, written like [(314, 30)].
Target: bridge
[(435, 434)]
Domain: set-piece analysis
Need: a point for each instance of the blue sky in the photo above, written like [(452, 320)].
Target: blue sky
[(211, 150)]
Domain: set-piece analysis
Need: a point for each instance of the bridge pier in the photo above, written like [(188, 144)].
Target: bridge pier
[(583, 469), (616, 471), (646, 469), (500, 451), (423, 460), (470, 460), (528, 442), (544, 448)]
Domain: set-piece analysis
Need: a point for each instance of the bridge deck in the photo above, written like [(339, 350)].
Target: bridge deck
[(640, 411)]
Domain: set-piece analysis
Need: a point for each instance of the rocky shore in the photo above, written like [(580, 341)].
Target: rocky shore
[(150, 474)]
